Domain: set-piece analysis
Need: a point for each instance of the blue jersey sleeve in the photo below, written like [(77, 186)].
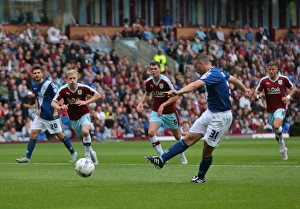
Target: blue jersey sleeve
[(53, 90)]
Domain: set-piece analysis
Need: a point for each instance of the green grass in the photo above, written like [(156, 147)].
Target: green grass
[(246, 173)]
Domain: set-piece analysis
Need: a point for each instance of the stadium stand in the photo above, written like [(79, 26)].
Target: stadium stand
[(118, 70)]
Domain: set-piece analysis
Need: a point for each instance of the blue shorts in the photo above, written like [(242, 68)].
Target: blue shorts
[(165, 120), (77, 124), (279, 113)]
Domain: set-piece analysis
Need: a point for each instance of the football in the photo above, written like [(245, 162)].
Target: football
[(84, 167)]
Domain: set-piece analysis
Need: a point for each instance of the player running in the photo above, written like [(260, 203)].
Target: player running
[(46, 117), (164, 108), (75, 102), (273, 87)]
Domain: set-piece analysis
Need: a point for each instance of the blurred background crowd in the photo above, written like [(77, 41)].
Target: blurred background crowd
[(242, 54)]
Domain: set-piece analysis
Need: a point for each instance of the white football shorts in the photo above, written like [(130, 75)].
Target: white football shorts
[(53, 126), (213, 126)]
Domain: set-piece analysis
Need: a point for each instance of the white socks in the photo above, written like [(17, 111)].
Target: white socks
[(157, 146), (87, 149), (281, 140)]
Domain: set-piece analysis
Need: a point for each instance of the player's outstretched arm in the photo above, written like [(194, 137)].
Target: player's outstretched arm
[(247, 92), (189, 88)]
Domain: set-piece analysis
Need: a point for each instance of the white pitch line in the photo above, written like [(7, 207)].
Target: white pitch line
[(147, 164)]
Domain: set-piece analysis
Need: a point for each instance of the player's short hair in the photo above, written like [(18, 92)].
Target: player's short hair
[(36, 67), (272, 63), (71, 72), (153, 62), (201, 57)]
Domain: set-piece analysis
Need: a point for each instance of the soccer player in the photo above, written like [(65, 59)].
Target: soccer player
[(214, 123), (273, 88), (75, 102), (46, 117), (164, 108)]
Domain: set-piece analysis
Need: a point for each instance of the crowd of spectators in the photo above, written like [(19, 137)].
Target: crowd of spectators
[(121, 84)]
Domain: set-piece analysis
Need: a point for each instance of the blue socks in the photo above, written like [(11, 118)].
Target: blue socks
[(68, 144), (176, 149), (204, 166), (30, 147)]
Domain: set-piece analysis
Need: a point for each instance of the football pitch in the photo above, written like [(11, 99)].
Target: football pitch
[(246, 173)]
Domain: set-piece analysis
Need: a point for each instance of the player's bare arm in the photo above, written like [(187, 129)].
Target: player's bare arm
[(55, 112), (189, 88), (37, 109), (140, 106), (247, 92), (91, 100), (288, 96), (260, 95), (170, 101), (57, 106)]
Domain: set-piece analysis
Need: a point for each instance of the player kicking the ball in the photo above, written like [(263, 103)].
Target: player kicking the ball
[(214, 123), (46, 116), (74, 96)]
